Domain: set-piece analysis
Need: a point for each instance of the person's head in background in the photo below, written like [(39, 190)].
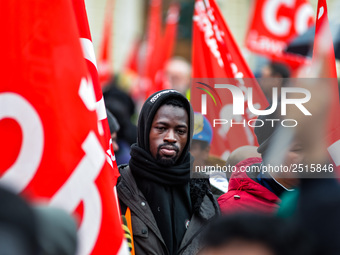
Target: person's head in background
[(200, 145), (178, 73), (267, 136), (18, 225), (241, 154), (114, 128), (273, 75), (251, 234)]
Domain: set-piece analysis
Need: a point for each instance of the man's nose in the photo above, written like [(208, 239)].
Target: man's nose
[(170, 136)]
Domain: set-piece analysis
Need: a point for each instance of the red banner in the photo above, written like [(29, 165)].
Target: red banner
[(163, 51), (105, 52), (89, 55), (323, 51), (159, 47), (51, 148), (274, 23), (216, 54)]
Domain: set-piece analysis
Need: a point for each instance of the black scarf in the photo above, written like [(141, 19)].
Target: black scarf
[(144, 166), (166, 189)]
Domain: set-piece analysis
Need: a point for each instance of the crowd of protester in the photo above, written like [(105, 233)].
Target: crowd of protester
[(257, 213), (168, 207)]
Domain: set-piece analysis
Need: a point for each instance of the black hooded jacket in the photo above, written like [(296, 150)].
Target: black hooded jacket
[(168, 191)]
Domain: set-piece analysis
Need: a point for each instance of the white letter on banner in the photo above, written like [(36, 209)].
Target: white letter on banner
[(270, 9), (81, 187), (303, 14), (19, 175), (86, 93)]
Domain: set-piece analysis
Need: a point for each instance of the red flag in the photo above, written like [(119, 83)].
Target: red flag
[(169, 38), (159, 47), (154, 31), (163, 50), (104, 60), (323, 48), (51, 147), (273, 24), (216, 54), (132, 63), (89, 55)]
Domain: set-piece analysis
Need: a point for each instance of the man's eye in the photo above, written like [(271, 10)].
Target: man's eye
[(160, 128), (181, 132)]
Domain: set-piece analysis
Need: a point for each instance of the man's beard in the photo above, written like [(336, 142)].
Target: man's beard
[(166, 161)]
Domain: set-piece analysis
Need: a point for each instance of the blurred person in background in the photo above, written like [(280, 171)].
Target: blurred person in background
[(201, 141), (122, 107), (240, 154), (18, 226), (114, 128), (251, 234), (273, 75), (178, 73), (257, 190), (200, 150), (57, 231), (316, 206)]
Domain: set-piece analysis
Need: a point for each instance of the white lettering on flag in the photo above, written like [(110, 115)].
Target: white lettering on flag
[(88, 51), (86, 93), (22, 171), (100, 106), (81, 187)]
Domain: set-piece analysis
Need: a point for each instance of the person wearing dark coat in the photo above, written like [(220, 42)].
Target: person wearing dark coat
[(168, 210)]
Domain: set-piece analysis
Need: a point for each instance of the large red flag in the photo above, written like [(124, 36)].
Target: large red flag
[(323, 47), (89, 55), (51, 146), (273, 24), (216, 55)]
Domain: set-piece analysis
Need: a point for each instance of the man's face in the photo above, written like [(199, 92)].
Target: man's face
[(168, 134)]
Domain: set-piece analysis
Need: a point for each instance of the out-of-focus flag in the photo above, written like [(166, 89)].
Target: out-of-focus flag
[(156, 51), (132, 64), (89, 55), (105, 52), (170, 33), (163, 51), (153, 34), (51, 148), (323, 52), (216, 54), (273, 24)]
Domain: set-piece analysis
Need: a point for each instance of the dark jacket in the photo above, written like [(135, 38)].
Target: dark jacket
[(246, 195), (146, 235)]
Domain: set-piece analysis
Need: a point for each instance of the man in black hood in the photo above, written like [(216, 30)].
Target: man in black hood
[(168, 210)]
